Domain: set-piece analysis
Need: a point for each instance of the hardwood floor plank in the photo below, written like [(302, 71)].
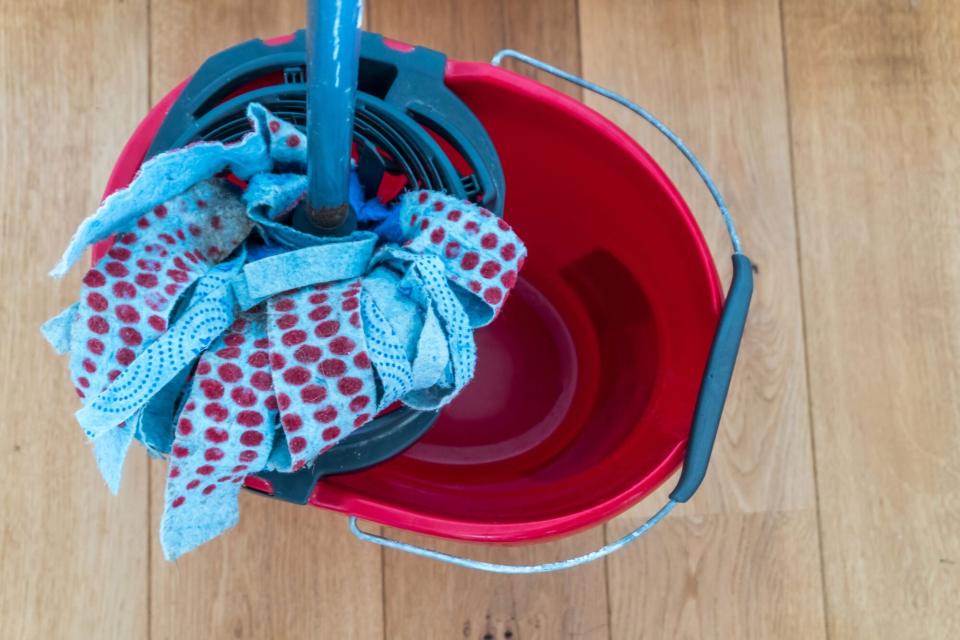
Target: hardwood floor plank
[(753, 575), (713, 72), (469, 604), (72, 86), (874, 95)]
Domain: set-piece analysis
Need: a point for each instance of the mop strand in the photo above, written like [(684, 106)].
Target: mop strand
[(225, 340)]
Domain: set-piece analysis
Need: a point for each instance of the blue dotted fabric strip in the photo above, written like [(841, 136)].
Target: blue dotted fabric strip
[(479, 251), (387, 315), (160, 179), (319, 263), (425, 282), (203, 321)]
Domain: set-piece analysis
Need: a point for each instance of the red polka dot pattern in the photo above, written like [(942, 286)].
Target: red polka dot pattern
[(227, 423), (480, 251), (287, 143), (127, 297), (318, 381)]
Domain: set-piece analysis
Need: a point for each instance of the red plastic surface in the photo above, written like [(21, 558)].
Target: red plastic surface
[(586, 384)]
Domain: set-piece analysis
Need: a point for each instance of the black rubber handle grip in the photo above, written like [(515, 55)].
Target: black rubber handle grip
[(716, 380)]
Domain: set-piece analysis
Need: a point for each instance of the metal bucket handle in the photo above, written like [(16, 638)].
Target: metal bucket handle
[(713, 387)]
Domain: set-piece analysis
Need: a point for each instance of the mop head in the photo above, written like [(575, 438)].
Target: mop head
[(230, 343)]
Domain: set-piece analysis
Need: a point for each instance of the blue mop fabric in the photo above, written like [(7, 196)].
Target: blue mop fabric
[(225, 430), (225, 340)]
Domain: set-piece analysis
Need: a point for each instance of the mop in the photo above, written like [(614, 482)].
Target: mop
[(254, 309)]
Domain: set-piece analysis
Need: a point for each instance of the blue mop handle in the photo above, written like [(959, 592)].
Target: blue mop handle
[(333, 61)]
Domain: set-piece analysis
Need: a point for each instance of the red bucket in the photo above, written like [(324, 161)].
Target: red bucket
[(587, 383)]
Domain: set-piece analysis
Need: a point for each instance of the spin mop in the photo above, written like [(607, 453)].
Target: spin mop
[(254, 308)]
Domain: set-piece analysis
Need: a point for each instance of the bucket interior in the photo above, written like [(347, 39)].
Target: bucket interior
[(586, 383)]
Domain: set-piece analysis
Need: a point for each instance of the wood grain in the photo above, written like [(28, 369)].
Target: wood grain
[(714, 72), (185, 33), (465, 604), (72, 86), (857, 292), (476, 30), (875, 93), (285, 571), (427, 599), (720, 576)]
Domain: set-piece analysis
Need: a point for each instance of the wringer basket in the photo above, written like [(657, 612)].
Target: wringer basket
[(609, 366)]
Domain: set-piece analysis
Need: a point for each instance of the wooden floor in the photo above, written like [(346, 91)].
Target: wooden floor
[(832, 508)]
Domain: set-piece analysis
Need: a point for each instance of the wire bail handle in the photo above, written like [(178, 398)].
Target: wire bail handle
[(713, 389)]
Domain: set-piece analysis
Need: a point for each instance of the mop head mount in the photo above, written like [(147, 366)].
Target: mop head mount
[(232, 344), (410, 132)]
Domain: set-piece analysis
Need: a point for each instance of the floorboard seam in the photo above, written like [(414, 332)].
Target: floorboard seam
[(803, 323)]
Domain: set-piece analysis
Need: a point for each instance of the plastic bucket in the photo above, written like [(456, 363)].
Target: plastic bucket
[(589, 381)]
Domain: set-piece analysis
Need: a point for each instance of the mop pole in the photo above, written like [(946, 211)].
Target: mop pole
[(333, 60)]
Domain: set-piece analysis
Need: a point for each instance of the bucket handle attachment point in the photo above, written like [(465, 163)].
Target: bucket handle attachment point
[(713, 387)]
